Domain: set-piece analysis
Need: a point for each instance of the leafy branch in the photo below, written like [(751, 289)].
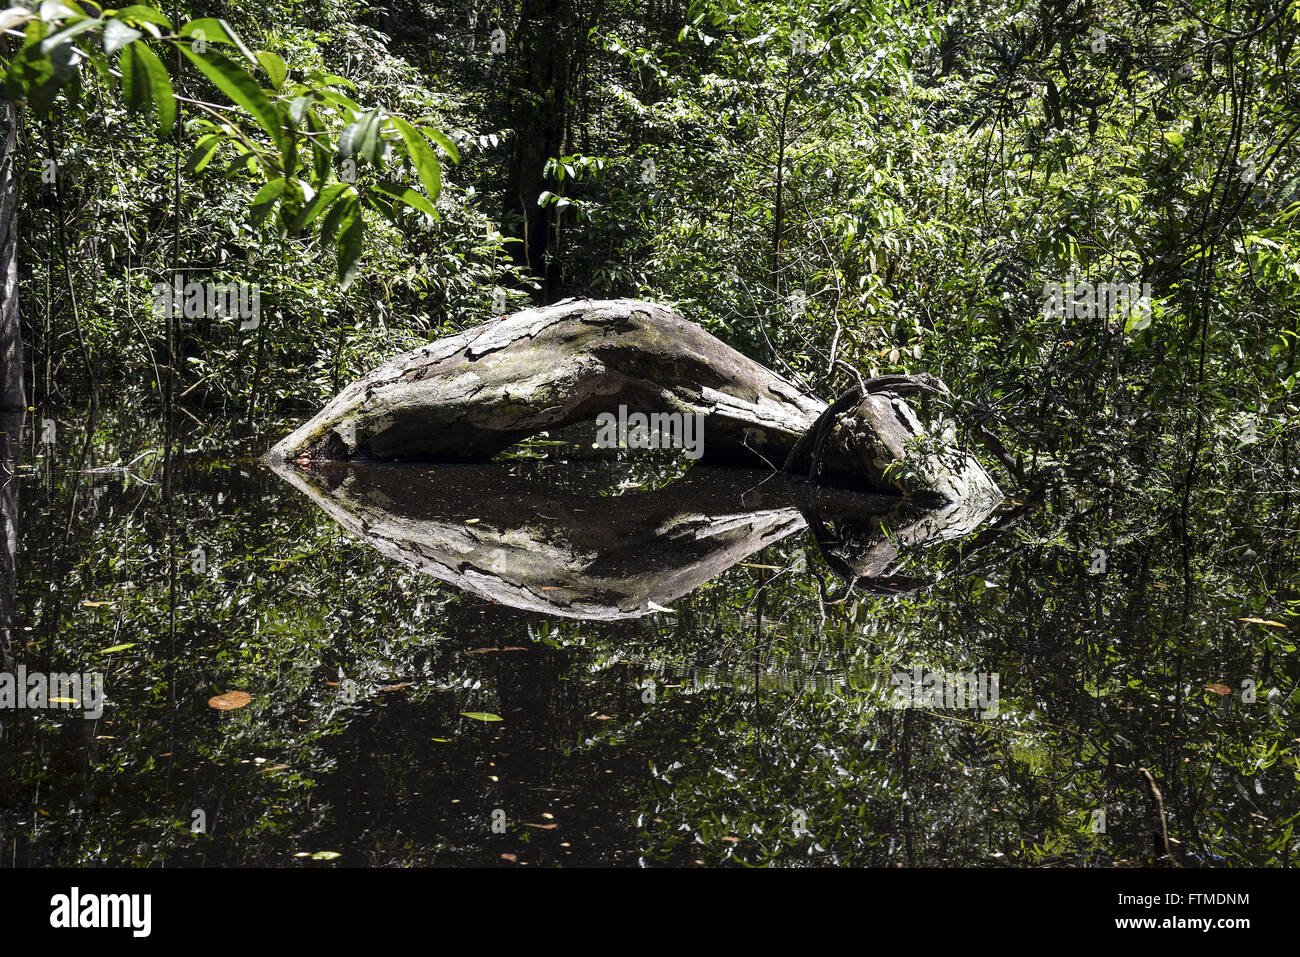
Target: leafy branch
[(305, 143)]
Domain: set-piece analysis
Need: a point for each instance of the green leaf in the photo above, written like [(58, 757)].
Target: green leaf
[(138, 13), (320, 156), (265, 200), (105, 651), (31, 76), (319, 203), (443, 140), (336, 99), (325, 855), (214, 30), (362, 139), (275, 67), (160, 87), (408, 196), (135, 77), (67, 33), (117, 35), (422, 156), (329, 229), (481, 716), (57, 10), (203, 152), (243, 90), (298, 109), (351, 241)]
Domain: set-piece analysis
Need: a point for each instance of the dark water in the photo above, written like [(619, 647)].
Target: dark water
[(680, 670)]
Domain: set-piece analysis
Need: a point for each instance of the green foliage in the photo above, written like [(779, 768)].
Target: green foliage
[(297, 118)]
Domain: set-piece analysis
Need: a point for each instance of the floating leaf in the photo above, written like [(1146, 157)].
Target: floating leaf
[(105, 651), (481, 716), (1263, 621), (1218, 689), (325, 855), (230, 700)]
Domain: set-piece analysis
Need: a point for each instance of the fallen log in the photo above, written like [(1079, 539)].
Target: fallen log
[(469, 396)]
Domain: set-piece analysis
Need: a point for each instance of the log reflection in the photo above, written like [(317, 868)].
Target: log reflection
[(585, 555)]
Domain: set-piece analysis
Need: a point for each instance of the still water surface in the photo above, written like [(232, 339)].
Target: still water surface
[(565, 659)]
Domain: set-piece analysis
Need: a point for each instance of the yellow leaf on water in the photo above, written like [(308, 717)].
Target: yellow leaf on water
[(1263, 621)]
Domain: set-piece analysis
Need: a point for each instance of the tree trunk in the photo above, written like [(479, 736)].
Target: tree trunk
[(469, 396), (11, 433), (13, 396), (541, 102)]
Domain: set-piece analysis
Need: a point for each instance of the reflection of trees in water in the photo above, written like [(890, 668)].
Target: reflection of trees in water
[(1088, 665)]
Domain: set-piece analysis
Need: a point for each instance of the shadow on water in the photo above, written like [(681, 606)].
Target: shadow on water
[(562, 660)]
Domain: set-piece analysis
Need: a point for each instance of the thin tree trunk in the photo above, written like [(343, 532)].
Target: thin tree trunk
[(12, 392)]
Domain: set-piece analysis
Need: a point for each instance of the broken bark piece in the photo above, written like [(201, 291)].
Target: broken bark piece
[(469, 396)]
